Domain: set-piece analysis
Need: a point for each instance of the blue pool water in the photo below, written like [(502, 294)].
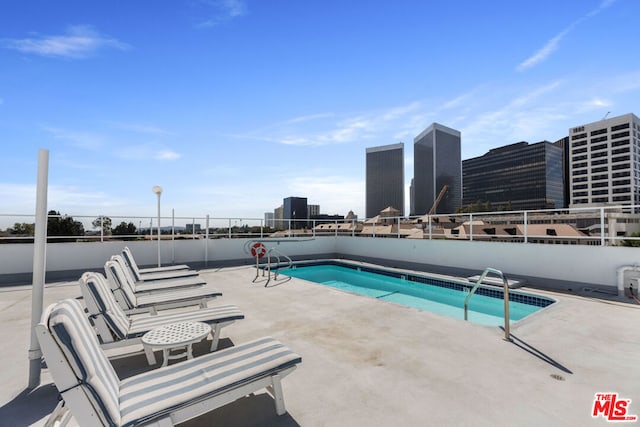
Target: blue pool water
[(430, 294)]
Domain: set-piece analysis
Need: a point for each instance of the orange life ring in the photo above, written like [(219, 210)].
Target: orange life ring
[(258, 250)]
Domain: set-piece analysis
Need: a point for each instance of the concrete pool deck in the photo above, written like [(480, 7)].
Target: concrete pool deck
[(368, 362)]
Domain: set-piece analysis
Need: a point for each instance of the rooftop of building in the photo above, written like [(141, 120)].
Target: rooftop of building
[(367, 361)]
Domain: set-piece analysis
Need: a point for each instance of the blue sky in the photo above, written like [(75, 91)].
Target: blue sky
[(232, 105)]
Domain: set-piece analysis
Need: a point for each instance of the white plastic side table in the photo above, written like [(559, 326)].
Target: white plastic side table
[(174, 336)]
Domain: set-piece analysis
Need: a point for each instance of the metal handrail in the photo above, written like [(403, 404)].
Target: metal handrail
[(277, 253), (505, 284)]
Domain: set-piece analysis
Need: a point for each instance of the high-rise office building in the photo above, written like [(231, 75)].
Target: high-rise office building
[(295, 209), (437, 162), (385, 179), (605, 162), (566, 158), (518, 176)]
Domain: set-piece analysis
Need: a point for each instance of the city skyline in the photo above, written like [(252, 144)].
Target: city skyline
[(233, 105)]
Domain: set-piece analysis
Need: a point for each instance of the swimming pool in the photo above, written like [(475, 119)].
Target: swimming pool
[(445, 297)]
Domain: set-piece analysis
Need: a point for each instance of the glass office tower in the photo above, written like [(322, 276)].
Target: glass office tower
[(519, 176), (385, 179), (295, 209), (436, 163)]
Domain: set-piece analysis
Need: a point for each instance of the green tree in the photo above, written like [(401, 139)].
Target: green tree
[(63, 225), (103, 222), (632, 243), (23, 228), (125, 229)]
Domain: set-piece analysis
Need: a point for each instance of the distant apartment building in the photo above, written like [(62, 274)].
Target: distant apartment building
[(269, 220), (384, 178), (313, 210), (518, 176), (192, 228), (278, 217), (605, 162), (295, 209), (437, 162)]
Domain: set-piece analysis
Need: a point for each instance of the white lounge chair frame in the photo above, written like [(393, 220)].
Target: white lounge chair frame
[(116, 329), (143, 285), (133, 302), (157, 274), (128, 256)]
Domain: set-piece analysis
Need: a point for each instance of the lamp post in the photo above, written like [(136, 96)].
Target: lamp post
[(158, 190)]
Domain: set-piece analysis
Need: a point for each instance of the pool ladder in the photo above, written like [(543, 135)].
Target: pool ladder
[(505, 284), (277, 254)]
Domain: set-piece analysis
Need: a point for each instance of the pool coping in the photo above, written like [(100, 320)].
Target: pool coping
[(450, 282)]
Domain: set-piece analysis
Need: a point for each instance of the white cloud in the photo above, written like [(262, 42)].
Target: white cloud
[(335, 194), (223, 10), (309, 117), (233, 8), (168, 155), (331, 128), (79, 42), (68, 200), (142, 128), (145, 152), (544, 53), (85, 140), (554, 43)]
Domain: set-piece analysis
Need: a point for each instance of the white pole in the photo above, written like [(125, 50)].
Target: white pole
[(158, 190), (206, 241), (173, 236), (39, 266)]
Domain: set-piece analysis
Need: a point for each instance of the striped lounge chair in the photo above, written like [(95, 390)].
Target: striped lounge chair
[(128, 257), (94, 395), (144, 285), (159, 299), (115, 328), (166, 272)]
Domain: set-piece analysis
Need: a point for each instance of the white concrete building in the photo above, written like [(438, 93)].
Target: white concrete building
[(604, 162)]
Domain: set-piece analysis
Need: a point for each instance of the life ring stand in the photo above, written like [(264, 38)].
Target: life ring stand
[(258, 250)]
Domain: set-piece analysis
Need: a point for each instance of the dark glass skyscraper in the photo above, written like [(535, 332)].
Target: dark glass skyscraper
[(385, 179), (436, 163), (295, 208), (519, 176)]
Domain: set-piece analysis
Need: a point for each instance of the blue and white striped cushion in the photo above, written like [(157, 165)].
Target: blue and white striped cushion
[(223, 313), (177, 295), (158, 392), (71, 329), (103, 303), (133, 300), (118, 282), (128, 257), (127, 265)]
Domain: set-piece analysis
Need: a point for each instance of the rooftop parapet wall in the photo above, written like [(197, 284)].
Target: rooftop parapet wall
[(581, 265)]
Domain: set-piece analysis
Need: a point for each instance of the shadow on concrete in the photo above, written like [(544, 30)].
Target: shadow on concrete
[(254, 410), (537, 353), (30, 406)]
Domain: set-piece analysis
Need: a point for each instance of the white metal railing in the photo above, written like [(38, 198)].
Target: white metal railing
[(591, 226), (505, 286)]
